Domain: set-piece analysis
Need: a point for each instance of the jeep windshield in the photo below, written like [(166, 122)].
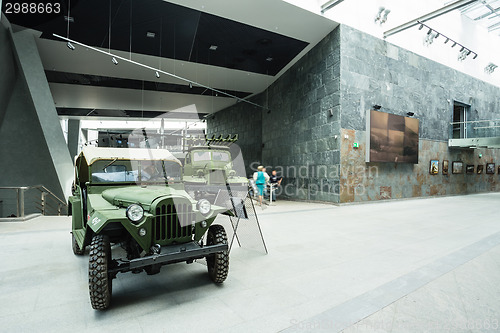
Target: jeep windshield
[(199, 156), (129, 171)]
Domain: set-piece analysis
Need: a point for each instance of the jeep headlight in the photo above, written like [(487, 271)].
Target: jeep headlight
[(135, 212), (204, 206)]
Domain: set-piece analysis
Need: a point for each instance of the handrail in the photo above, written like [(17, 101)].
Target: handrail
[(38, 187), (472, 121), (20, 199)]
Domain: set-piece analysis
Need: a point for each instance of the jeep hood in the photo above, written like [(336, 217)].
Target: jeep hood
[(145, 196)]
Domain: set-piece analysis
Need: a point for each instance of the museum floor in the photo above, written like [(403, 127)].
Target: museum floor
[(399, 266)]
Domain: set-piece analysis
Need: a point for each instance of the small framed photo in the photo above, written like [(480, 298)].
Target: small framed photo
[(480, 169), (470, 168), (445, 167), (457, 167), (434, 167), (490, 168)]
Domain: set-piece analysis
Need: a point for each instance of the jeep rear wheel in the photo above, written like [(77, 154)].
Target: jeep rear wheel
[(217, 263), (76, 248), (100, 282)]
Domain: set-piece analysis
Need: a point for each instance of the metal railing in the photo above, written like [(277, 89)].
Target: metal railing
[(33, 199), (475, 129)]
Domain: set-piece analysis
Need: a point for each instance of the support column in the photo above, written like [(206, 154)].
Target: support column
[(73, 137), (33, 148)]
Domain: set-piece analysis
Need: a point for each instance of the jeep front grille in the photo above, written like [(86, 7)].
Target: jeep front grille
[(173, 221)]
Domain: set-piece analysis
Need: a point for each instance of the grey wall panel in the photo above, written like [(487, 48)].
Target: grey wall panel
[(33, 148)]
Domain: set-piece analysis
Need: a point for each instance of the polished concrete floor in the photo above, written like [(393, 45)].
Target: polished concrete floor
[(396, 266)]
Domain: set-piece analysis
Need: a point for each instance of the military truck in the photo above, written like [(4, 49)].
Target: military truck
[(210, 168), (135, 199)]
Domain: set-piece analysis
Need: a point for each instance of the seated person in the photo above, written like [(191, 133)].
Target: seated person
[(274, 181)]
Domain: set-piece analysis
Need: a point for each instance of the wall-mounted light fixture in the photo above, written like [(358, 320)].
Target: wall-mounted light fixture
[(382, 14), (432, 34), (490, 68)]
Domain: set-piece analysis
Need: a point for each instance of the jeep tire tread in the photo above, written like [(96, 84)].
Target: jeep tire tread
[(217, 263), (76, 248), (100, 283)]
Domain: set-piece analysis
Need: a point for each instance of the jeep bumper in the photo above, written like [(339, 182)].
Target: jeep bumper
[(168, 255)]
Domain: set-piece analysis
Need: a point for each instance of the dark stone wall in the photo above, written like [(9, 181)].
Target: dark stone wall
[(298, 133), (376, 72), (301, 134), (317, 111), (245, 120)]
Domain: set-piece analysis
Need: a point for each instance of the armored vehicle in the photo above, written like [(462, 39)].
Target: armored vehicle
[(134, 199), (209, 168)]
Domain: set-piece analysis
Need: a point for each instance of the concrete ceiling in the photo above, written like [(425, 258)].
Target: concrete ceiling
[(248, 33)]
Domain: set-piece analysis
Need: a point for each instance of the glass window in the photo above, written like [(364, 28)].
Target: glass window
[(220, 156), (111, 171), (114, 171), (201, 156)]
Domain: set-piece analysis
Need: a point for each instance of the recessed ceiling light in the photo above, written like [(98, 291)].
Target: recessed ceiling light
[(269, 59), (150, 34), (213, 47)]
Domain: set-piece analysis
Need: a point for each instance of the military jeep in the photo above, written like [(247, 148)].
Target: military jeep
[(210, 168), (134, 200)]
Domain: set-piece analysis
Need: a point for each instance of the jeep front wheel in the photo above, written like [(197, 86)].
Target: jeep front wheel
[(76, 248), (100, 282), (217, 263)]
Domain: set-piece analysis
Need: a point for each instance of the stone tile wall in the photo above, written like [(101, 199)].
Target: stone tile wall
[(360, 181), (376, 72)]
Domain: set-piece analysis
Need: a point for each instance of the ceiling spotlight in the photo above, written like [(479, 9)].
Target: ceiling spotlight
[(421, 27), (269, 59), (190, 85), (454, 44), (114, 61), (213, 47), (429, 32), (462, 49), (70, 46), (447, 40), (410, 114), (377, 107), (157, 74), (475, 56), (150, 34)]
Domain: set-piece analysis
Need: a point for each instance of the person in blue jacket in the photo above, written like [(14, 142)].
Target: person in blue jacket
[(261, 178)]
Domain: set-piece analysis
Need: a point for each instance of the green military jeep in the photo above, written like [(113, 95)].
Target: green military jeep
[(208, 169), (135, 199)]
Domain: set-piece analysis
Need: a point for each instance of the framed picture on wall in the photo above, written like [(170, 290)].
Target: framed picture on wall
[(457, 167), (445, 167), (434, 167), (490, 168), (480, 169), (470, 168)]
